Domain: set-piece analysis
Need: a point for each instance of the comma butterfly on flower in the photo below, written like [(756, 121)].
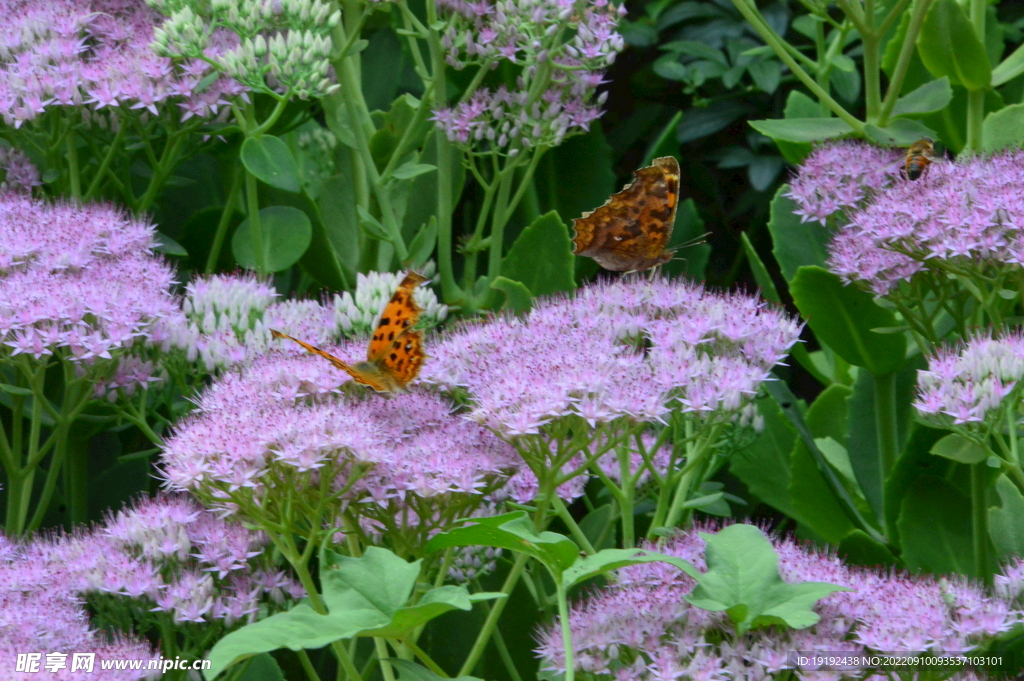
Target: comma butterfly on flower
[(630, 232), (396, 353)]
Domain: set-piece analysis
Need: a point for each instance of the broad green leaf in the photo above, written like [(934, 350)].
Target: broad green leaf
[(812, 492), (517, 296), (899, 132), (1009, 68), (333, 255), (802, 129), (691, 258), (410, 671), (1006, 522), (392, 125), (286, 236), (843, 316), (835, 453), (764, 464), (743, 580), (950, 47), (365, 596), (411, 170), (597, 527), (262, 667), (916, 461), (270, 160), (371, 226), (695, 48), (167, 245), (541, 257), (795, 243), (383, 62), (1003, 129), (960, 449), (15, 390), (935, 528), (798, 105), (930, 97), (422, 245), (515, 532), (576, 176), (702, 122), (857, 548), (421, 204), (612, 559)]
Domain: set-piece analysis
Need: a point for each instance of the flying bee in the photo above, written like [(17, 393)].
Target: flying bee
[(919, 155)]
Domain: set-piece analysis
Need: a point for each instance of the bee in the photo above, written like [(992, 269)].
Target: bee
[(919, 155)]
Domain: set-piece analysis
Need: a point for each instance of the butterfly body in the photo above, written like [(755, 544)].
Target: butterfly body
[(919, 156), (631, 231), (396, 352)]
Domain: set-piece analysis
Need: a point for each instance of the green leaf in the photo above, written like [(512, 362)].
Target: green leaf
[(515, 532), (1009, 68), (764, 464), (798, 105), (761, 277), (1003, 129), (365, 596), (165, 244), (899, 132), (843, 316), (1006, 522), (587, 567), (15, 390), (960, 449), (421, 204), (814, 498), (382, 65), (857, 548), (802, 129), (930, 97), (270, 160), (695, 48), (576, 176), (286, 236), (371, 226), (950, 47), (517, 296), (692, 254), (795, 243), (697, 123), (935, 528), (541, 257), (743, 580), (410, 671), (422, 246), (262, 667), (197, 234), (411, 170)]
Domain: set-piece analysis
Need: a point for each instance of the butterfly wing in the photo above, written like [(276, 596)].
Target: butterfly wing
[(397, 347), (357, 375), (632, 229)]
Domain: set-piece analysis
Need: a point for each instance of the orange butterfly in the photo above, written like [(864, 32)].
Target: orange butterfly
[(396, 348)]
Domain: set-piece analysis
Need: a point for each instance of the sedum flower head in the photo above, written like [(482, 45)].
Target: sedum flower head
[(20, 174), (631, 349), (95, 53), (968, 384), (405, 463), (82, 279), (641, 627), (564, 44)]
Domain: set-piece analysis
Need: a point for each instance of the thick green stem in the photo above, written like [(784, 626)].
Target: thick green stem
[(225, 220), (751, 14), (899, 73), (979, 520), (168, 159), (491, 622), (574, 528), (563, 616), (74, 171), (115, 148), (872, 76), (975, 120)]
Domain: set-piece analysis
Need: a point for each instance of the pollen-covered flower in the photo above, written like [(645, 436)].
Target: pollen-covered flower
[(969, 383), (404, 463), (635, 349), (80, 278), (641, 627)]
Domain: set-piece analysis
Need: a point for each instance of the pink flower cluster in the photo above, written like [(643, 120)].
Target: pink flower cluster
[(526, 34), (967, 384), (82, 278), (629, 348), (641, 627), (96, 53), (20, 174), (270, 430), (964, 216)]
